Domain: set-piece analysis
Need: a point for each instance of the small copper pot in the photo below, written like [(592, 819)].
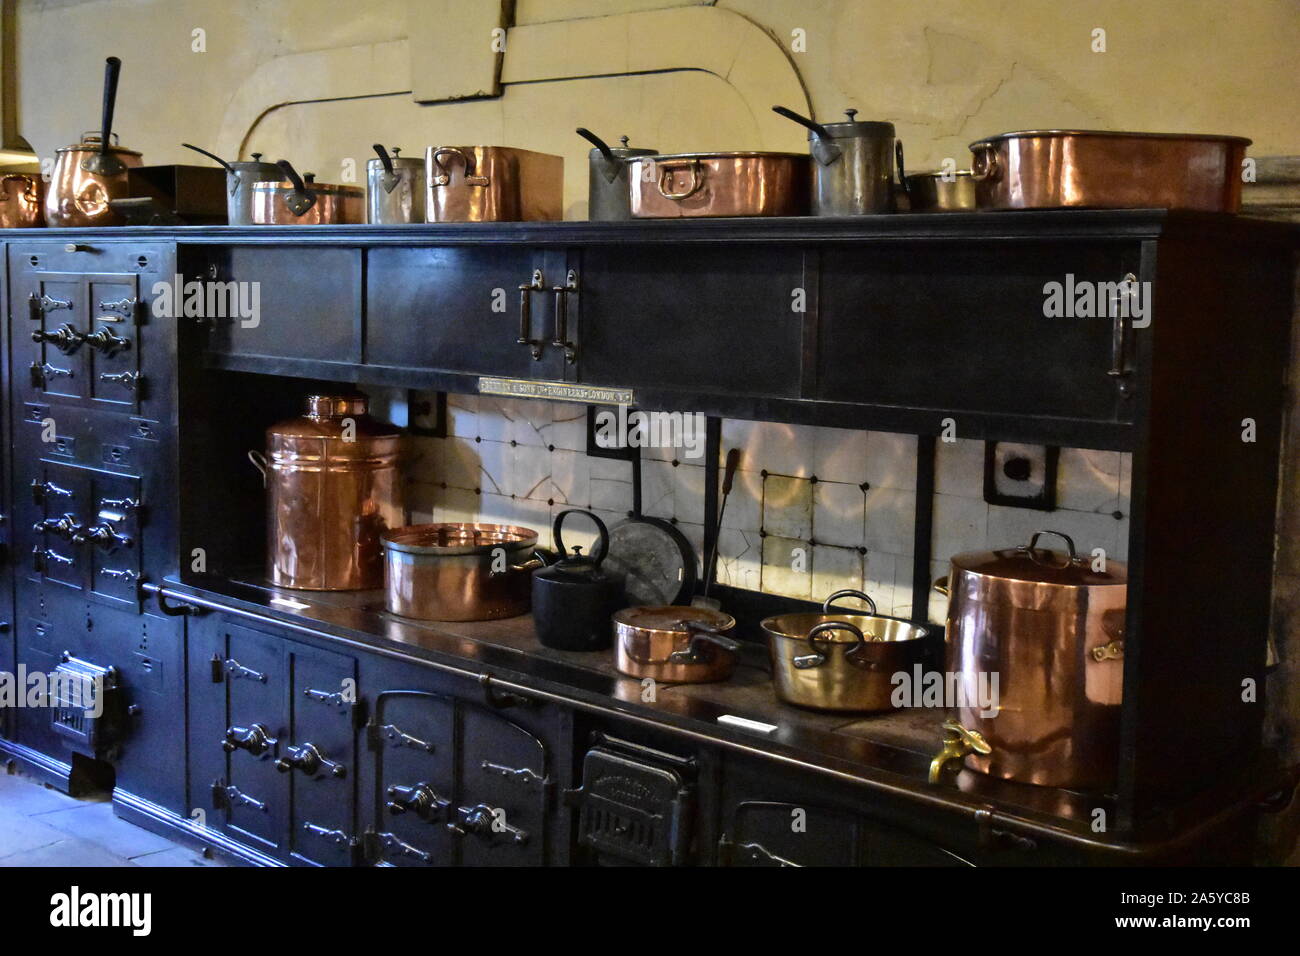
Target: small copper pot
[(460, 571), (305, 202), (676, 644), (78, 196), (22, 198), (719, 184)]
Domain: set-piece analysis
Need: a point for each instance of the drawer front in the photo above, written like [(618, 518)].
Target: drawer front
[(965, 329), (458, 309), (661, 318), (295, 302)]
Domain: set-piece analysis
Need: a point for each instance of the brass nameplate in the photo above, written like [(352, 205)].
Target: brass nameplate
[(556, 391)]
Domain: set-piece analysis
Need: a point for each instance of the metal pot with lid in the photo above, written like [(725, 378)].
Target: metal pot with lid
[(1048, 627), (394, 188), (332, 490), (852, 164), (241, 176), (677, 644), (575, 598), (88, 175), (608, 191), (300, 200)]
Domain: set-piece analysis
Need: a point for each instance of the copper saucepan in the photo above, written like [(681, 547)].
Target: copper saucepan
[(304, 202), (460, 571), (674, 643), (719, 184)]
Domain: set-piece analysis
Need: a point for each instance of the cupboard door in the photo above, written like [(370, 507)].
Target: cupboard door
[(459, 309), (662, 318), (322, 757), (963, 328), (410, 738), (501, 816)]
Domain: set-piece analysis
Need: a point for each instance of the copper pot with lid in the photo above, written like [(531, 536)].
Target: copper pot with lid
[(1049, 626), (300, 200), (22, 197), (675, 643), (333, 489)]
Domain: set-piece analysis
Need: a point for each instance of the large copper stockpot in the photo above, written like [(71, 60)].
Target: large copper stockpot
[(1050, 626), (842, 661), (22, 198), (492, 184), (1048, 169), (676, 644), (332, 490), (719, 184), (460, 571), (302, 201)]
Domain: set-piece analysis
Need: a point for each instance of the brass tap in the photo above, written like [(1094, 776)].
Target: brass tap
[(957, 743)]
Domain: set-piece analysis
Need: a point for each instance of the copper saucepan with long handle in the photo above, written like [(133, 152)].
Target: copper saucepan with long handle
[(678, 644)]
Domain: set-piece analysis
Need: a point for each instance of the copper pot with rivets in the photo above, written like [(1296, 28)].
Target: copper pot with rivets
[(1049, 626), (333, 489)]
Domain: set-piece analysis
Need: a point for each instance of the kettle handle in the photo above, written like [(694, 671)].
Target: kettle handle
[(602, 547), (1069, 544)]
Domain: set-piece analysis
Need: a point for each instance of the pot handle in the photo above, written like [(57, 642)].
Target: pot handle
[(443, 176), (701, 635), (540, 559), (984, 163), (260, 463), (212, 156), (848, 592), (818, 657), (389, 180), (665, 170), (902, 174), (303, 198), (602, 546), (1069, 544), (29, 186), (941, 585)]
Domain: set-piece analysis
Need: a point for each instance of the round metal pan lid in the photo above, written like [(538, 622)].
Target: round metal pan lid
[(1034, 565), (1113, 134), (452, 538), (726, 155), (674, 618), (654, 559)]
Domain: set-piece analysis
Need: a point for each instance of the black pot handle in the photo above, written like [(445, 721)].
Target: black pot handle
[(384, 157), (599, 143), (790, 114), (818, 657), (602, 546), (701, 635), (902, 176), (212, 156)]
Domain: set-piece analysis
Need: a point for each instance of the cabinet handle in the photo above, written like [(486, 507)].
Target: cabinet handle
[(41, 558), (337, 837), (256, 740), (480, 820), (524, 775), (1119, 333), (38, 305), (537, 284), (106, 341), (231, 796), (394, 735), (67, 338), (388, 842), (65, 527), (310, 761), (131, 381), (43, 490), (123, 307), (421, 799), (237, 670), (561, 338)]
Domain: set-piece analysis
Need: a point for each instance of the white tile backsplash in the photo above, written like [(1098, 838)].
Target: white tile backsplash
[(528, 460)]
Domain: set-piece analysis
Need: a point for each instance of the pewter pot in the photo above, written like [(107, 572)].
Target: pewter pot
[(394, 188), (852, 164), (240, 179), (608, 191)]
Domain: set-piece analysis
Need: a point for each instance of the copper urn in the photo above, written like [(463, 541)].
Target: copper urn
[(333, 489)]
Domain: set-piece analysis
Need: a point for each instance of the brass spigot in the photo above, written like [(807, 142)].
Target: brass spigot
[(957, 743)]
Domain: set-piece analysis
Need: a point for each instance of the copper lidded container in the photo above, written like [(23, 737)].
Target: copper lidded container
[(301, 201), (676, 644), (1050, 626), (460, 571), (78, 196), (333, 489), (1103, 169), (492, 184)]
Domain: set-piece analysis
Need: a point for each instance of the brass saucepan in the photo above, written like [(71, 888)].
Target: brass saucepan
[(832, 661)]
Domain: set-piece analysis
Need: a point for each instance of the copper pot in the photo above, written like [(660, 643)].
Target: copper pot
[(22, 196), (78, 196), (460, 571), (676, 644), (1048, 169), (304, 202), (1051, 628), (492, 184), (719, 184), (843, 662), (332, 490)]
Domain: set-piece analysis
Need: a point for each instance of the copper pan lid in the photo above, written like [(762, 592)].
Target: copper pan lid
[(450, 538), (672, 618), (1037, 578)]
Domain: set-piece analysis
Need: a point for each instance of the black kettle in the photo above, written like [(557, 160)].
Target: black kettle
[(574, 599)]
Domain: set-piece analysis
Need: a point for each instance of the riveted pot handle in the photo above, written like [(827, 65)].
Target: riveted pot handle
[(303, 197), (665, 170), (443, 176), (848, 592), (984, 163), (1069, 544), (602, 546), (701, 635), (818, 657)]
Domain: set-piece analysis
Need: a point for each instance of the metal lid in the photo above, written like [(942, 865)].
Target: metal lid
[(451, 538), (727, 155), (855, 127), (1033, 565), (311, 186), (1111, 133), (90, 143), (673, 618)]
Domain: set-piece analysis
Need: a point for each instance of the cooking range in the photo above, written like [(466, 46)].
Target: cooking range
[(212, 522)]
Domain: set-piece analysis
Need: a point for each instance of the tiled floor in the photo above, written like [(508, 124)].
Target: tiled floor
[(40, 826)]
